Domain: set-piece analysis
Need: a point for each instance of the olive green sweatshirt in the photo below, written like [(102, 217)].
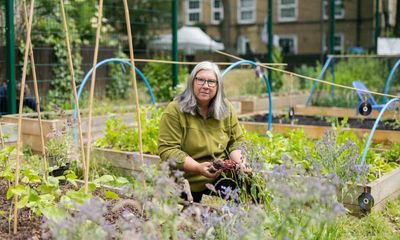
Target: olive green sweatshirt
[(182, 134)]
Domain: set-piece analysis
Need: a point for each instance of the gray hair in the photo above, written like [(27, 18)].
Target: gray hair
[(187, 100)]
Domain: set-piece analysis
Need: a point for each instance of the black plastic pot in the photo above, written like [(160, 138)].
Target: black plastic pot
[(60, 172)]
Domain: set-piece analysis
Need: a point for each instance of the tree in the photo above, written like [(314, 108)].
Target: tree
[(146, 17)]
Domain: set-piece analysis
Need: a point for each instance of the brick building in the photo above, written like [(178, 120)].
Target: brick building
[(299, 27)]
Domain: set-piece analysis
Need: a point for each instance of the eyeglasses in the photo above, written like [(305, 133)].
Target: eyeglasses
[(201, 82)]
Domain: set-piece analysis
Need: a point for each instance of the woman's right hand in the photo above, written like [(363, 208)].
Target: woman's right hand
[(203, 169)]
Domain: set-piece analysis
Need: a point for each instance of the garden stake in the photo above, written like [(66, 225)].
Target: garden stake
[(21, 102), (45, 165), (92, 84), (291, 108), (309, 78), (73, 85), (1, 136), (133, 75)]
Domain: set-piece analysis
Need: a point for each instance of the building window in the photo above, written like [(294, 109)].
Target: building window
[(339, 9), (339, 43), (246, 11), (243, 45), (287, 10), (217, 11), (288, 44), (193, 11)]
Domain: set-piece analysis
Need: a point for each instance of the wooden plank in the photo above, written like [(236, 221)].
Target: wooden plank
[(338, 112), (31, 125), (31, 129), (381, 136), (279, 102), (123, 159)]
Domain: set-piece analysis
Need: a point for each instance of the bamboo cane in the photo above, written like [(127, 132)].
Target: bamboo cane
[(21, 101), (73, 84), (45, 164), (133, 77), (92, 85), (1, 136)]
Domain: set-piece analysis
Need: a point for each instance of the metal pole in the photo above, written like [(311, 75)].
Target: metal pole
[(10, 63), (270, 39), (332, 29), (174, 23), (377, 23)]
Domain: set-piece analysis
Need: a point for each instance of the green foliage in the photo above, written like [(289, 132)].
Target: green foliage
[(121, 83), (277, 77), (160, 79), (392, 154), (308, 71), (57, 149), (370, 71), (119, 136), (144, 15)]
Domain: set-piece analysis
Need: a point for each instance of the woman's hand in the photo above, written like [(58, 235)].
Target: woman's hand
[(190, 165), (203, 169)]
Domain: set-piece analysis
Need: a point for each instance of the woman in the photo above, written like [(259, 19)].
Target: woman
[(201, 126)]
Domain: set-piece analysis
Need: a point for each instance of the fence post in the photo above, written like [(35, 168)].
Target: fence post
[(10, 63)]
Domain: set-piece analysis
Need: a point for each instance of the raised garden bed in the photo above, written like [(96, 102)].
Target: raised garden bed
[(314, 127), (338, 112), (124, 160), (31, 130), (245, 105), (383, 189)]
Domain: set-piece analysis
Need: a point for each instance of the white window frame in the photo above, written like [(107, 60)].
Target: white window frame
[(214, 10), (190, 11), (241, 9), (290, 36), (338, 15), (241, 44), (337, 48), (288, 6)]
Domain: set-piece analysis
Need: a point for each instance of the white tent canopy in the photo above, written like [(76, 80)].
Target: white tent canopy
[(190, 39)]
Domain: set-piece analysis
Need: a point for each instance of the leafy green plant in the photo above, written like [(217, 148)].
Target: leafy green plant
[(119, 136), (392, 154), (277, 77), (160, 79)]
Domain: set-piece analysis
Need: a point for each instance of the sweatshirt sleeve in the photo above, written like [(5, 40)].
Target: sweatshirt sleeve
[(236, 136), (170, 136)]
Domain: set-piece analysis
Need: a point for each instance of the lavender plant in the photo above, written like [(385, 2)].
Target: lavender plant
[(302, 205), (85, 221), (338, 162)]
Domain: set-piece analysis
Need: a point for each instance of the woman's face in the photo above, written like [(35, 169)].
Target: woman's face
[(205, 86)]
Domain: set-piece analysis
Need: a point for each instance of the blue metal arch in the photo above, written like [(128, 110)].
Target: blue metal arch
[(389, 79), (234, 65), (99, 64), (118, 60), (364, 155)]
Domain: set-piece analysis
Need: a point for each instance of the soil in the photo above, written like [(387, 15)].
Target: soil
[(391, 125), (29, 225)]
